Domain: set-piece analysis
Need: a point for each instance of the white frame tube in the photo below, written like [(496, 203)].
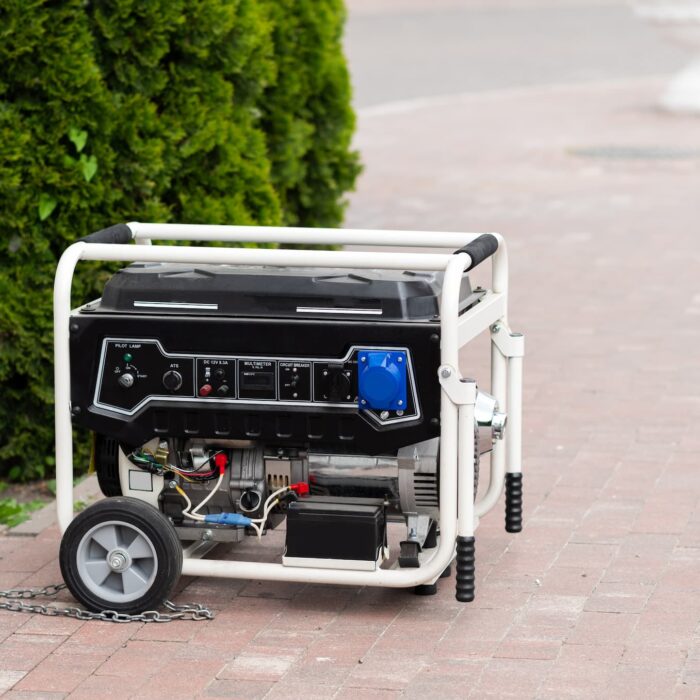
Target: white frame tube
[(499, 384), (515, 415), (454, 266)]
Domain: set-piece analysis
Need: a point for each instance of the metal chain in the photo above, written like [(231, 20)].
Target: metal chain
[(16, 596)]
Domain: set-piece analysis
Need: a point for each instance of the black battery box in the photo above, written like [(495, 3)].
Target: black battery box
[(334, 533)]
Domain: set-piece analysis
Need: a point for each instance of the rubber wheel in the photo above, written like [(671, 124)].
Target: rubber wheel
[(121, 554)]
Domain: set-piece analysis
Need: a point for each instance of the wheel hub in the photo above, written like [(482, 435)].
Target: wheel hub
[(119, 560)]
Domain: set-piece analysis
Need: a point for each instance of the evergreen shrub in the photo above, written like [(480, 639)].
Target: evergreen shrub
[(200, 111)]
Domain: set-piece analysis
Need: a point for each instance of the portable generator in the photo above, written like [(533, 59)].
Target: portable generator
[(233, 389)]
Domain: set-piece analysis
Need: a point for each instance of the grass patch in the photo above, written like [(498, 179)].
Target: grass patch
[(12, 512)]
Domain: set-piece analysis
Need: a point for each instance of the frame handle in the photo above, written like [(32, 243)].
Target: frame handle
[(119, 233), (482, 247)]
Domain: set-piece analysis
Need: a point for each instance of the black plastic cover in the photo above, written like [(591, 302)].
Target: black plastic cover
[(335, 530), (223, 290)]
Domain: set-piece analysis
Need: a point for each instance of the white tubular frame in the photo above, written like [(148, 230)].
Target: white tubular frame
[(458, 512)]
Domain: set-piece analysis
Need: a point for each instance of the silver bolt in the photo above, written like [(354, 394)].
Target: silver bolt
[(207, 535), (363, 359), (446, 372), (399, 413), (495, 328), (117, 561), (399, 358), (384, 415), (400, 402), (363, 402), (172, 484)]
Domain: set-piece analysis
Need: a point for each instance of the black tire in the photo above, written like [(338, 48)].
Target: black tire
[(107, 465), (124, 517)]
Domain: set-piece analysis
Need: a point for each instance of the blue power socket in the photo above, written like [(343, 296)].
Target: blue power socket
[(382, 380)]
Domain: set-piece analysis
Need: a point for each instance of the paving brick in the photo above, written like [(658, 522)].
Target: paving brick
[(60, 673), (39, 624), (98, 636), (33, 695), (341, 648), (22, 652), (107, 688), (138, 658), (237, 689), (301, 690), (511, 678), (9, 678), (664, 628), (446, 678), (180, 680), (586, 555), (631, 681), (619, 598), (575, 581), (370, 694), (258, 666), (647, 656), (385, 671), (593, 627), (536, 649)]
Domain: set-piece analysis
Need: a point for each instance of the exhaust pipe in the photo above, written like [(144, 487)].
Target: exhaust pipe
[(490, 422)]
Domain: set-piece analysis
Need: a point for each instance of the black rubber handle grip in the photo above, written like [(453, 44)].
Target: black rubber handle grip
[(482, 247), (465, 579), (119, 233), (514, 502)]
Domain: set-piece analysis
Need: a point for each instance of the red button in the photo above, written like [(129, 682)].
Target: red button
[(205, 390)]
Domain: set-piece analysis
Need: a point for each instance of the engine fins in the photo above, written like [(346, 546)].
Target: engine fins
[(425, 489), (107, 465)]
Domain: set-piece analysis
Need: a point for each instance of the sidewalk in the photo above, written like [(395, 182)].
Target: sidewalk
[(599, 596)]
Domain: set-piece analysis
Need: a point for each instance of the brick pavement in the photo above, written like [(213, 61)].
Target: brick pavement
[(599, 596)]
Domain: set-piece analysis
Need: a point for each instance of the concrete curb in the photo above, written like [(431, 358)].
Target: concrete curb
[(87, 490)]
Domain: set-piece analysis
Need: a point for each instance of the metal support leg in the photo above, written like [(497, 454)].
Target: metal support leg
[(499, 372), (463, 394), (514, 477)]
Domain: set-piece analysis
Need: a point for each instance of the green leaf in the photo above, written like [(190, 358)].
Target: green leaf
[(46, 206), (13, 513), (78, 138), (88, 164)]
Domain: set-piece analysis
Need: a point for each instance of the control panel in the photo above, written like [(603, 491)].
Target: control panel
[(378, 381)]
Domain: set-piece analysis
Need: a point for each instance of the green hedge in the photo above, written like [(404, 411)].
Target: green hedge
[(207, 111)]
